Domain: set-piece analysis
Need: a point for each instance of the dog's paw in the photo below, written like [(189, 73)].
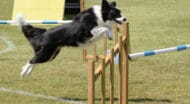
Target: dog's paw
[(23, 72), (109, 33), (26, 70)]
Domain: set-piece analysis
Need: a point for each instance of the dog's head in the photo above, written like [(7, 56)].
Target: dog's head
[(111, 13)]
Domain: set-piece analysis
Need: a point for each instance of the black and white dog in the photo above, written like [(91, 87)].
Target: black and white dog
[(85, 29)]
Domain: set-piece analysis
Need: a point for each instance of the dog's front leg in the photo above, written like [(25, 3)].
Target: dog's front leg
[(99, 32)]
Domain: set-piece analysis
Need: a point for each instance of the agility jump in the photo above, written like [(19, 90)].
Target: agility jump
[(121, 47)]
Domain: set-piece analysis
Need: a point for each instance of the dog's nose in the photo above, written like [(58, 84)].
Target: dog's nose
[(124, 19)]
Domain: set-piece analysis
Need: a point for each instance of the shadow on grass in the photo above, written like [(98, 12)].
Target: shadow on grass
[(80, 99), (139, 100), (150, 100)]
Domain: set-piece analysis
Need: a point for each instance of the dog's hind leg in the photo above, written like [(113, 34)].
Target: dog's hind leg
[(56, 52), (46, 53), (26, 70)]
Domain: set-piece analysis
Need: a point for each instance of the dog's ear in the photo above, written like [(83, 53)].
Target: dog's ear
[(113, 3), (105, 4)]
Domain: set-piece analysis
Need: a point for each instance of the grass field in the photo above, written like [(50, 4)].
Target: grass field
[(161, 79)]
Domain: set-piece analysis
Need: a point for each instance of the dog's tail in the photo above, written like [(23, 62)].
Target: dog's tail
[(28, 30), (33, 34), (21, 21)]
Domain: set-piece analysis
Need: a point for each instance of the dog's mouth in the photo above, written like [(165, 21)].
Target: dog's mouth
[(120, 20)]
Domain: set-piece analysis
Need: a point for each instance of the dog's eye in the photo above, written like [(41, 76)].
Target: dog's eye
[(117, 14)]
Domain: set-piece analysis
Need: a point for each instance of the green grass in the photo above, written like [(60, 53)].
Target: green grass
[(161, 79)]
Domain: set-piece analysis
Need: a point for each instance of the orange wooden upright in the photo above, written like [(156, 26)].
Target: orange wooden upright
[(121, 47), (91, 82), (125, 64)]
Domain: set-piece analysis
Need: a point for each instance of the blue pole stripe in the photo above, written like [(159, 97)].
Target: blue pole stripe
[(3, 22), (179, 48), (49, 22), (149, 53)]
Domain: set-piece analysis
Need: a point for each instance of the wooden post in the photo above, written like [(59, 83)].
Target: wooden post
[(84, 54), (81, 5), (125, 65), (91, 82), (115, 28), (105, 47), (95, 52), (103, 85), (126, 32), (112, 76), (120, 69)]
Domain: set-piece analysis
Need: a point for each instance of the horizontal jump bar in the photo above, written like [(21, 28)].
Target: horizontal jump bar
[(37, 21), (159, 51)]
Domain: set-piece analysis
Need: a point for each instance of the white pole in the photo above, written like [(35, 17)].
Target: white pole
[(37, 21), (159, 51)]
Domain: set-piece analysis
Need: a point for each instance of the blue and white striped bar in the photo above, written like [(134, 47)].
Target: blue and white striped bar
[(160, 51), (37, 21)]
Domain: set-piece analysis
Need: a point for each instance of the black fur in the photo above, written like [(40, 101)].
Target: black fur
[(46, 42)]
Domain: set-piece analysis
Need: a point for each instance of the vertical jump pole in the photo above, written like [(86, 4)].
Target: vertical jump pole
[(91, 82), (115, 28), (103, 85), (84, 52), (125, 64), (95, 52), (81, 5), (105, 47), (120, 69), (126, 32), (112, 76)]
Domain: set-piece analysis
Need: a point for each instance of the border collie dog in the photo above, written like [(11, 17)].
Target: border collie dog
[(85, 29)]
